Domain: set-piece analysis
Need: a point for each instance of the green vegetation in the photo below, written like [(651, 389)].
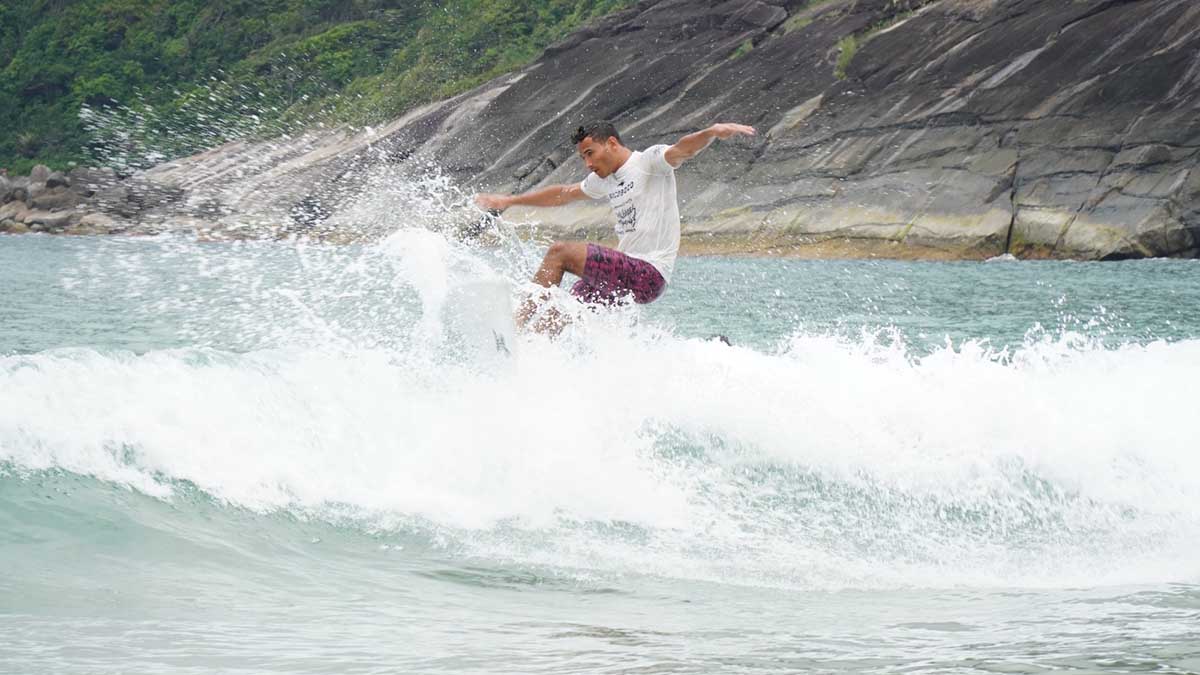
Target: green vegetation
[(742, 50), (187, 74), (847, 48), (801, 17), (796, 22)]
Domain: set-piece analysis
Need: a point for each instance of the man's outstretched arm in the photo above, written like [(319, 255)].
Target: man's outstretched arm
[(689, 146), (551, 195)]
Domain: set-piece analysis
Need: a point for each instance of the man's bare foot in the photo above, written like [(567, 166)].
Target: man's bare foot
[(526, 311), (536, 314)]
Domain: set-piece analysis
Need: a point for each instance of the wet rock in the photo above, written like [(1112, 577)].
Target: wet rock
[(99, 223), (48, 221), (14, 210), (13, 227)]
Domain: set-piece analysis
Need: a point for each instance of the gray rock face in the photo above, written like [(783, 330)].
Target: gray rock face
[(87, 182), (908, 128), (18, 191), (968, 128)]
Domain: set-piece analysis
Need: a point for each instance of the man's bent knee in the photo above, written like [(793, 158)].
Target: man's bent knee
[(558, 251), (567, 255)]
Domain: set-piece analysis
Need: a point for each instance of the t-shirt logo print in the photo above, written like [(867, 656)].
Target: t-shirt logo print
[(623, 189), (626, 218), (627, 212)]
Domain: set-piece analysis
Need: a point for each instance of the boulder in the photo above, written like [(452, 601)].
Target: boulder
[(57, 179), (18, 190), (49, 221), (14, 210), (13, 227), (36, 188), (97, 223), (55, 199), (40, 173)]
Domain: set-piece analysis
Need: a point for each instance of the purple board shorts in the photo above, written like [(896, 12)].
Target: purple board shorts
[(609, 274)]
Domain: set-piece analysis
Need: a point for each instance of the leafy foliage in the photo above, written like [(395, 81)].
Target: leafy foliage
[(163, 61), (743, 49), (847, 48)]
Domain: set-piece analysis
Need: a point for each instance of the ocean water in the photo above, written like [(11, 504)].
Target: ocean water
[(281, 457)]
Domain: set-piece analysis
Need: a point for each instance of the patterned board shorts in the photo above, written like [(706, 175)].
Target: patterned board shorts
[(609, 275)]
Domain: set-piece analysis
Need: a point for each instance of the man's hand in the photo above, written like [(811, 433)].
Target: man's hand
[(727, 129), (493, 202)]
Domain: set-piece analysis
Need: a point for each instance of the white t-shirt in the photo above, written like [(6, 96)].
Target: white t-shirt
[(642, 195)]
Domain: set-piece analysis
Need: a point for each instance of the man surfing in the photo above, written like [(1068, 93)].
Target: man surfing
[(640, 188)]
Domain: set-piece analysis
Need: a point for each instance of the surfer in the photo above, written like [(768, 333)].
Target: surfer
[(640, 188)]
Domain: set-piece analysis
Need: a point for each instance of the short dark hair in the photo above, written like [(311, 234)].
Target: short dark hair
[(597, 131)]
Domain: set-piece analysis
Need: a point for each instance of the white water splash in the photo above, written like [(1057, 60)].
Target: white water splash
[(829, 464)]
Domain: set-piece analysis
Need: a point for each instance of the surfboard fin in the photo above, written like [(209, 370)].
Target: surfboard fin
[(501, 345)]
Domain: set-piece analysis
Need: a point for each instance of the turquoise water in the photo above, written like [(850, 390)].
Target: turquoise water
[(277, 457)]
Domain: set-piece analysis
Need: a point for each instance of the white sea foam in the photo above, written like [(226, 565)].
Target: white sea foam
[(880, 463)]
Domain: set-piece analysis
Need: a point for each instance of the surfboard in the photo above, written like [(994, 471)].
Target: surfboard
[(478, 319)]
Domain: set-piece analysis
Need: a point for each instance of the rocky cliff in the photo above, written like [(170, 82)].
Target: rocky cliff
[(918, 128)]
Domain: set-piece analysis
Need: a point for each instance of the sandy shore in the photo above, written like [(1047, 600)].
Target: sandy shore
[(776, 245), (789, 246)]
